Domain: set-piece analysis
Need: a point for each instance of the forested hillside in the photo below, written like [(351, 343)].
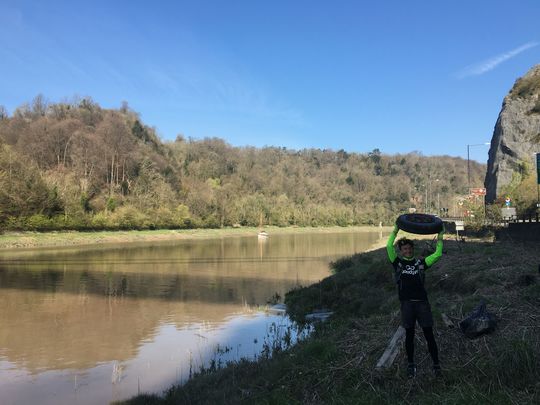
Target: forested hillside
[(75, 165)]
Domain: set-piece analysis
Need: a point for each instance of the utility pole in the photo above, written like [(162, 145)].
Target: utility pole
[(425, 202), (468, 171), (538, 181), (438, 200)]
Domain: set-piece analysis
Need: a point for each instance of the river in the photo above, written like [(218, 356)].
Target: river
[(89, 325)]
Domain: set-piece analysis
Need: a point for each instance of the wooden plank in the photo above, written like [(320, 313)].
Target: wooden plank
[(392, 349), (447, 321)]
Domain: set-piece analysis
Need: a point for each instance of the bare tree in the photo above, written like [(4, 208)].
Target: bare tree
[(115, 135), (87, 154), (23, 112), (62, 134), (3, 113), (39, 106)]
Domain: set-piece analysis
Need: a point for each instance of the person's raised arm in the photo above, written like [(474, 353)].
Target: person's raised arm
[(390, 245), (434, 257)]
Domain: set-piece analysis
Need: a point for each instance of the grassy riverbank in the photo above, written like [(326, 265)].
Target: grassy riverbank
[(16, 240), (337, 363)]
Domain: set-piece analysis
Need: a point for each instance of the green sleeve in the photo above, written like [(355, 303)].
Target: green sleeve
[(390, 245), (434, 257)]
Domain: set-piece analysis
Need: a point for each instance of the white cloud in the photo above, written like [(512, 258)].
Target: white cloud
[(490, 64)]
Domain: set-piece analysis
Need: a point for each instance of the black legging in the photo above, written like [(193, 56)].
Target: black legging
[(430, 339)]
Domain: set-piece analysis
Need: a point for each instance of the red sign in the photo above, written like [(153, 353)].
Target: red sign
[(478, 191)]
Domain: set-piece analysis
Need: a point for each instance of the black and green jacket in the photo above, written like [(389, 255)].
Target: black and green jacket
[(409, 272)]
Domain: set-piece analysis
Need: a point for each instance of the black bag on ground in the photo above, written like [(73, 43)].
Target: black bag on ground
[(478, 322)]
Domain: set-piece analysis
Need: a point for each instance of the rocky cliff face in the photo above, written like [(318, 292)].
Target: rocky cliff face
[(516, 136)]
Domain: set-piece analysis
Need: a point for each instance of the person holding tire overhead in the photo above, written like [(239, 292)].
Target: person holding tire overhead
[(409, 273)]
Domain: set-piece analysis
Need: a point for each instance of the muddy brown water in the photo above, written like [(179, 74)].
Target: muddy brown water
[(90, 325)]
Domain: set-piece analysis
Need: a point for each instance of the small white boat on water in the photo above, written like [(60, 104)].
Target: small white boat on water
[(262, 235)]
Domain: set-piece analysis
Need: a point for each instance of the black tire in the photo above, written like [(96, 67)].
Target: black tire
[(421, 224)]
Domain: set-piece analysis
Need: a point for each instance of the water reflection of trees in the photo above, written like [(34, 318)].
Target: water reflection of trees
[(77, 308), (209, 286)]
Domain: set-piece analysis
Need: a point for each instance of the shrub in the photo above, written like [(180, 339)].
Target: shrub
[(15, 223), (60, 222), (85, 202), (38, 222), (211, 221), (182, 217), (128, 217), (525, 87), (111, 204), (100, 221)]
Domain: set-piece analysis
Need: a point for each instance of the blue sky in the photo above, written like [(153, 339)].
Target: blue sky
[(400, 76)]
